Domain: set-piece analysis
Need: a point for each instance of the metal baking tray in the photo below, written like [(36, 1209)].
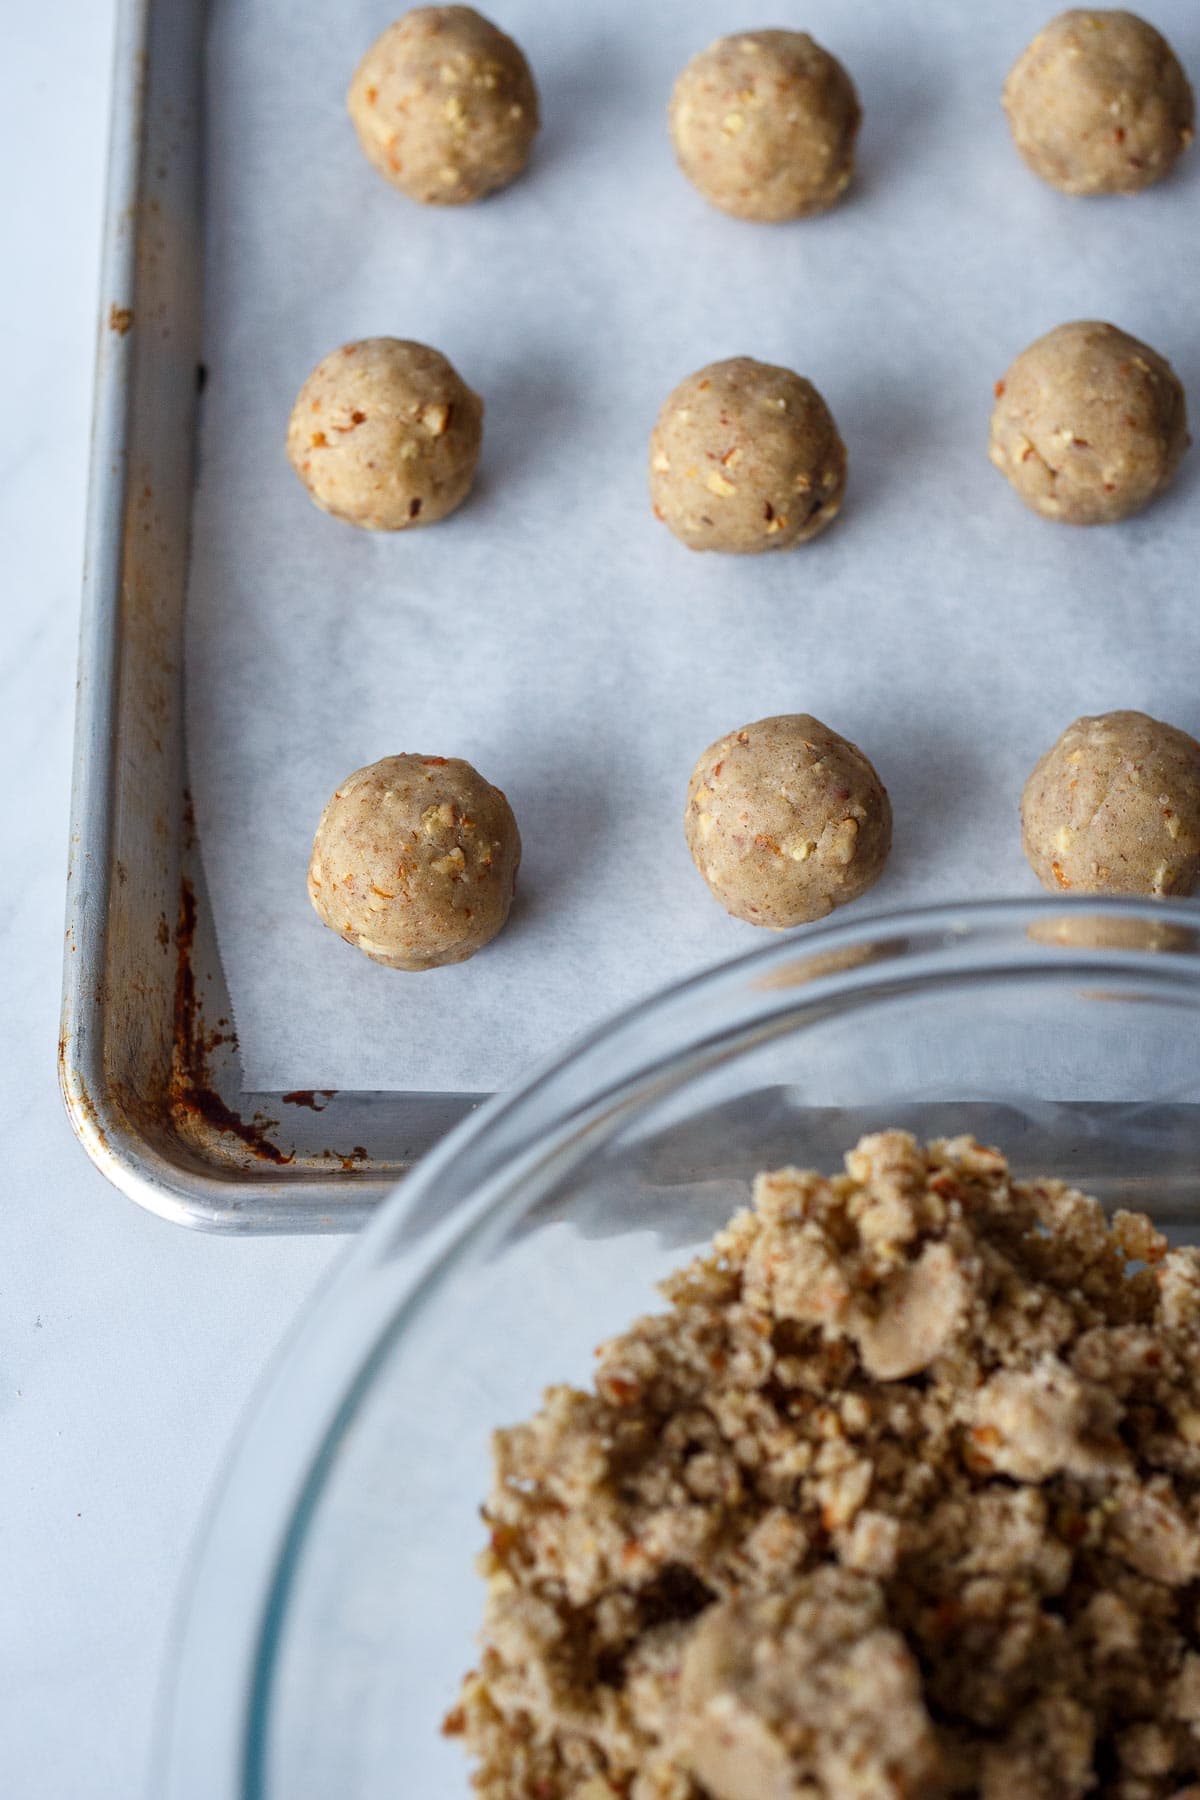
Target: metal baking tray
[(148, 1060)]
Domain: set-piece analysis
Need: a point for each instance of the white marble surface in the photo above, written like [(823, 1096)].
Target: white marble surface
[(128, 1348)]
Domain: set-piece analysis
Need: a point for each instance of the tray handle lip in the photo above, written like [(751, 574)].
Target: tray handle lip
[(104, 1134), (179, 1188)]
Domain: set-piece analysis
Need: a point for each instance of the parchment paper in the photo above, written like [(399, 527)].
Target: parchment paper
[(553, 632)]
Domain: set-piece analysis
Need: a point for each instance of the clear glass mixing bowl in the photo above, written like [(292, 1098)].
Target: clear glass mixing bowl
[(333, 1601)]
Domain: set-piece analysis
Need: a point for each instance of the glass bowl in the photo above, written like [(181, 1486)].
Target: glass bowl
[(333, 1602)]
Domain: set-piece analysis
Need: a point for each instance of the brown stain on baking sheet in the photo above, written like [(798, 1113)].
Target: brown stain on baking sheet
[(315, 1098), (120, 319), (191, 1088), (349, 1163), (81, 1108)]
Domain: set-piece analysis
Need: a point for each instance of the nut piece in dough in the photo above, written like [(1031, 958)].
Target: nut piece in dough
[(1089, 424), (1098, 104), (444, 106), (764, 123), (415, 861), (1114, 808), (786, 820), (744, 457), (385, 434)]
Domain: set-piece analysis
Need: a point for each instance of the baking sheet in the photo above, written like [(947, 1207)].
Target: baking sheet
[(552, 632)]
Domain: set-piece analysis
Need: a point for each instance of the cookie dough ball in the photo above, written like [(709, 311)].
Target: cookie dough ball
[(1098, 104), (385, 434), (444, 106), (1089, 424), (786, 820), (415, 861), (746, 457), (764, 123), (1114, 808)]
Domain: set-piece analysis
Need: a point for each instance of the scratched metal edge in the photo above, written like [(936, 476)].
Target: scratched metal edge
[(181, 1140), (82, 1031)]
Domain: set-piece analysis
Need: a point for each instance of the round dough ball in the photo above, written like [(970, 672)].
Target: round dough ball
[(1098, 104), (444, 106), (1089, 424), (764, 123), (415, 861), (1114, 808), (786, 820), (746, 457), (385, 434)]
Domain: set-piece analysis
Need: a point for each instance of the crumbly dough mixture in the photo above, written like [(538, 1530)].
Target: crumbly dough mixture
[(445, 106), (1098, 103), (1089, 424), (1113, 807), (785, 820), (763, 124), (745, 456), (900, 1497), (385, 434), (415, 861)]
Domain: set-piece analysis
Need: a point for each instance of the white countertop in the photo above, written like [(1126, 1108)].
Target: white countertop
[(128, 1347)]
